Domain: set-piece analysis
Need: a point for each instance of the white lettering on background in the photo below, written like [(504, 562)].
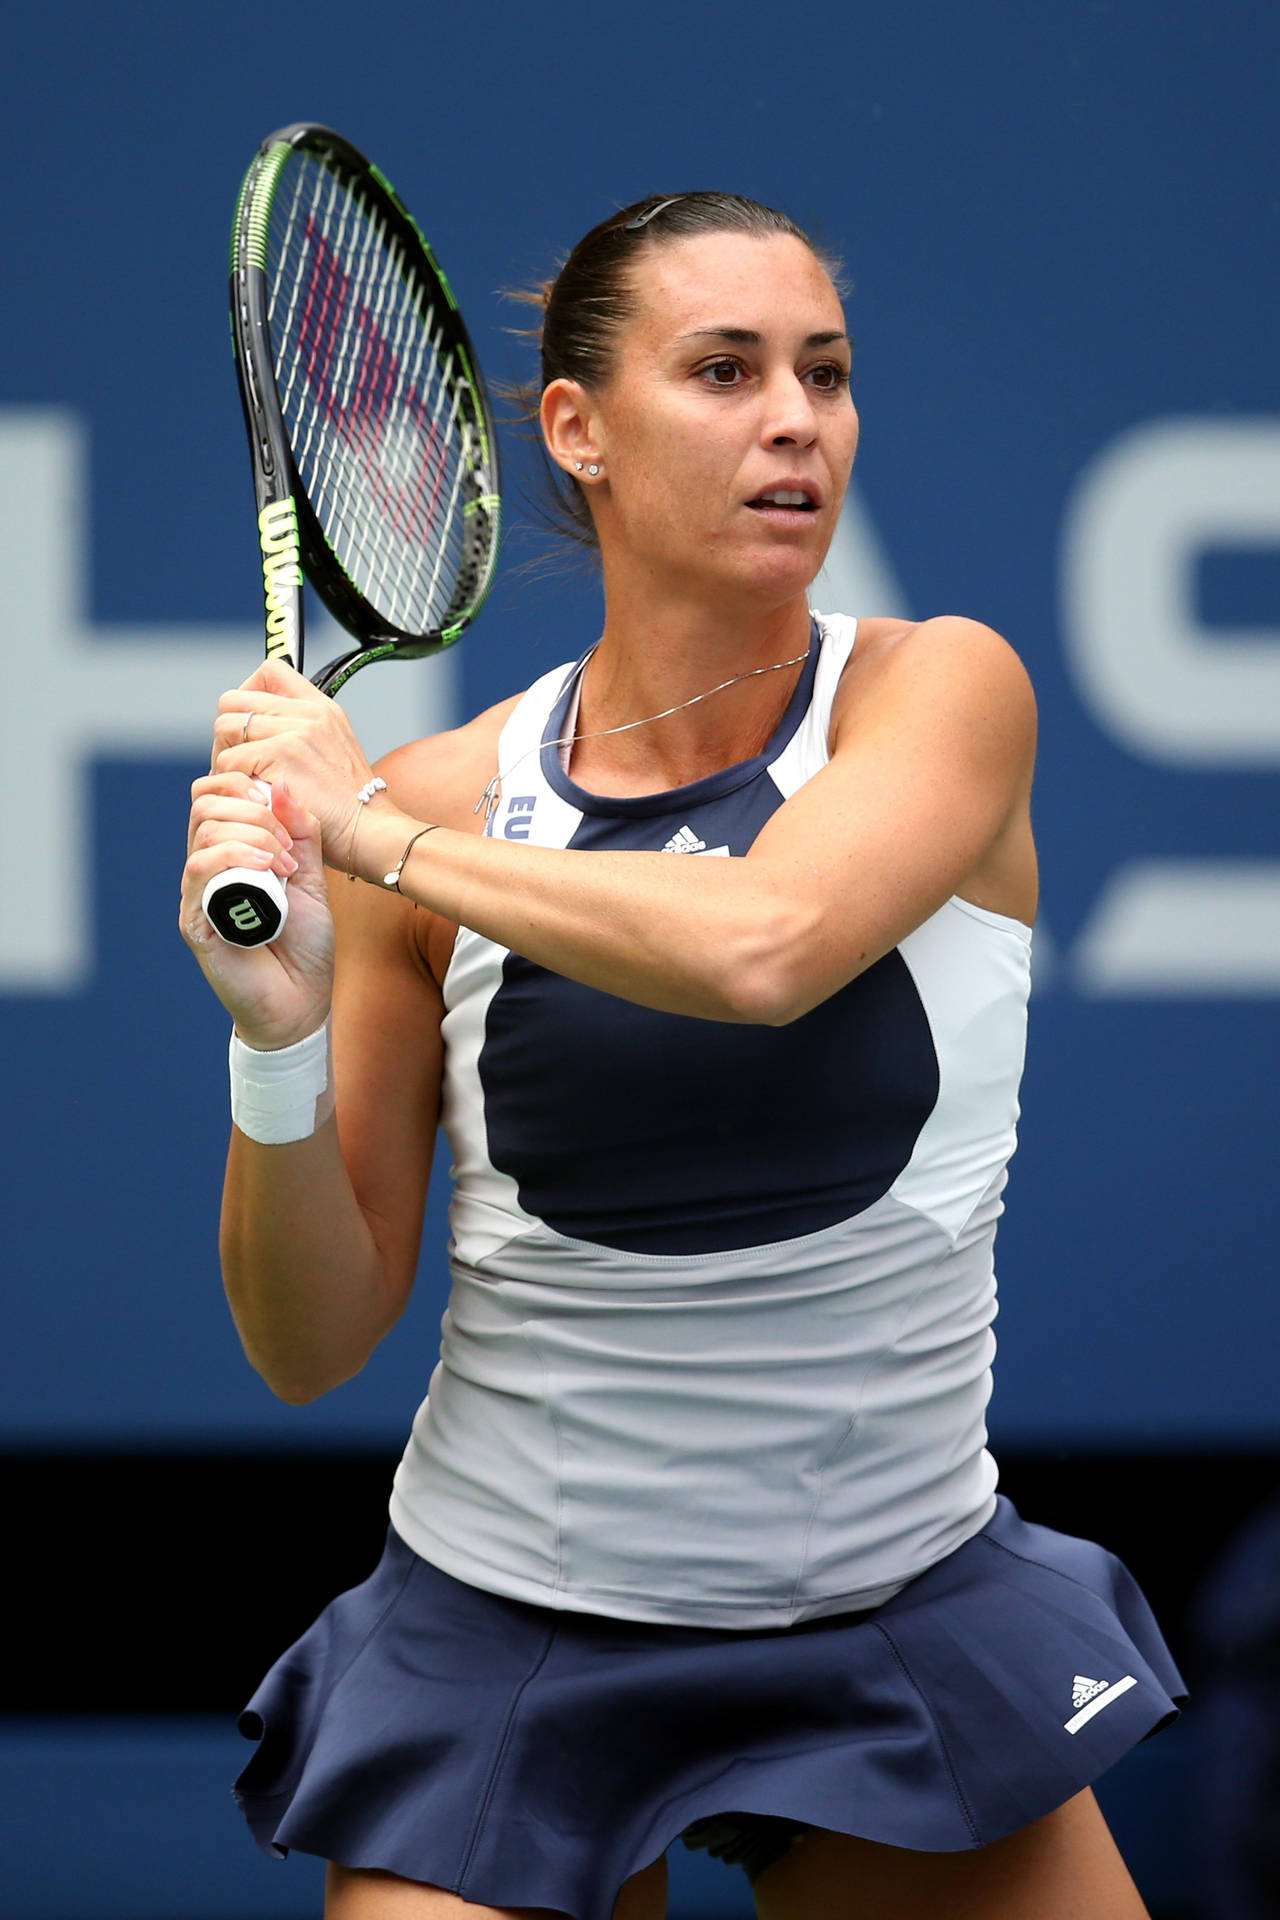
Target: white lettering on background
[(1175, 693), (75, 693)]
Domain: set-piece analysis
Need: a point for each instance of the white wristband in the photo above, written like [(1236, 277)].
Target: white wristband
[(283, 1095)]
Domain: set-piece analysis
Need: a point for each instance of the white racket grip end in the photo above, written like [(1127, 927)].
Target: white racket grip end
[(247, 906)]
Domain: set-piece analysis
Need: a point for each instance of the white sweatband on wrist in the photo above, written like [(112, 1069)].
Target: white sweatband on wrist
[(286, 1094)]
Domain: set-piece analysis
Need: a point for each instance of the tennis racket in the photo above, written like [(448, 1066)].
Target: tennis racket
[(375, 465)]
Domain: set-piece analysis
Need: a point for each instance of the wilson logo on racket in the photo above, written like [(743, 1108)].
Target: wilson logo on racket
[(281, 575)]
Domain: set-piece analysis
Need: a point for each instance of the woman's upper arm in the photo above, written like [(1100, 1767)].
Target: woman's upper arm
[(932, 754), (388, 1005), (388, 1057)]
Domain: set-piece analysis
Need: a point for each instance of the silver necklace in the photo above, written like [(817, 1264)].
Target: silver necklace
[(489, 798)]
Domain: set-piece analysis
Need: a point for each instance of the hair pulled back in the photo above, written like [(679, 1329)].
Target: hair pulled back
[(586, 305)]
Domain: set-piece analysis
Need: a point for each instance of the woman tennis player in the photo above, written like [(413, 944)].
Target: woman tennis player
[(711, 953)]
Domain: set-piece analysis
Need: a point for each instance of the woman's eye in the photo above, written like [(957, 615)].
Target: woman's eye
[(723, 373), (828, 377)]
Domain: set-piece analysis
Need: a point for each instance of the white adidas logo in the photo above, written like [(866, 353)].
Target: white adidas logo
[(685, 841), (1091, 1696)]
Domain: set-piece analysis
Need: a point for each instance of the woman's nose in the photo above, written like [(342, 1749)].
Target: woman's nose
[(790, 419)]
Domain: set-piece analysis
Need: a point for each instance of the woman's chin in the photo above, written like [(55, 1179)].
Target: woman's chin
[(776, 576), (769, 573)]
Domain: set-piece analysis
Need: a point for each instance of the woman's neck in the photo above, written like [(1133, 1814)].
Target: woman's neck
[(673, 654)]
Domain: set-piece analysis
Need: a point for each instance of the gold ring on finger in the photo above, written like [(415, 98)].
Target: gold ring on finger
[(244, 731)]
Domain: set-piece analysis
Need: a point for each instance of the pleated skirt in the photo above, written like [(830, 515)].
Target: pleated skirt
[(521, 1755)]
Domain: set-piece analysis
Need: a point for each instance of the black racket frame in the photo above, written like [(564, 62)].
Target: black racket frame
[(275, 474)]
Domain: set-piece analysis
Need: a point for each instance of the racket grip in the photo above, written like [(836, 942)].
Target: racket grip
[(247, 906)]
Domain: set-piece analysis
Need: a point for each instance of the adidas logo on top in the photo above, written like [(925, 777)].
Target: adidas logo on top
[(685, 841), (1085, 1689)]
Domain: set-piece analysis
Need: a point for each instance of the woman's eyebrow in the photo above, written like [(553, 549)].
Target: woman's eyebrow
[(744, 337)]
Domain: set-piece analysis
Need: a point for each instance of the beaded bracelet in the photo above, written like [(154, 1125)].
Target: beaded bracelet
[(364, 796)]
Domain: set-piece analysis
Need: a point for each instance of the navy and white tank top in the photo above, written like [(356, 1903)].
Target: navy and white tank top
[(718, 1344)]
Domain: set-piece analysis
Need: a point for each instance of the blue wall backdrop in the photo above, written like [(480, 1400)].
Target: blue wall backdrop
[(1060, 225)]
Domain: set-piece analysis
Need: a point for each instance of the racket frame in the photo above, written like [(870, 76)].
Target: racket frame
[(290, 537)]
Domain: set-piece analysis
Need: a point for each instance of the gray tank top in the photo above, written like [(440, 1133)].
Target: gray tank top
[(718, 1343)]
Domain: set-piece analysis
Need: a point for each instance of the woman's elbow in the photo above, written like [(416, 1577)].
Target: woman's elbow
[(773, 979), (754, 998), (296, 1388), (295, 1374), (294, 1393)]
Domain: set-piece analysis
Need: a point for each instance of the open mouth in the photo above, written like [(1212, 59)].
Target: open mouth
[(784, 500)]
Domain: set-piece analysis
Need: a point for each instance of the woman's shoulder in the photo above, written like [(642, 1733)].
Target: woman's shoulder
[(888, 633), (894, 652), (956, 677)]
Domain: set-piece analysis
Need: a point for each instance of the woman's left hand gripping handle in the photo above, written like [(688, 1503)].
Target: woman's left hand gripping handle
[(250, 838), (247, 906)]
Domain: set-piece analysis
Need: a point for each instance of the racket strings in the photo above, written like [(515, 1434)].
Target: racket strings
[(376, 408), (354, 372), (361, 377)]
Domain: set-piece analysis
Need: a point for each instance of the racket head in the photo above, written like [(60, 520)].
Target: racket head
[(374, 452)]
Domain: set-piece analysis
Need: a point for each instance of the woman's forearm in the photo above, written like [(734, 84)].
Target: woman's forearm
[(307, 1285), (716, 939)]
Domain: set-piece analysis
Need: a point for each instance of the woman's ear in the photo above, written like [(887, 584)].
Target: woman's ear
[(568, 427)]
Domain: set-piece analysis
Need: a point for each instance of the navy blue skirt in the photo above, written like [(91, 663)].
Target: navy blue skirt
[(525, 1756)]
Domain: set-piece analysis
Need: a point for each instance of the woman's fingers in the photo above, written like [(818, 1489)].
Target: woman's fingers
[(275, 803), (238, 727), (302, 827), (274, 676), (260, 845), (234, 798), (277, 698), (325, 769), (281, 728), (270, 684), (237, 786), (249, 813), (276, 692)]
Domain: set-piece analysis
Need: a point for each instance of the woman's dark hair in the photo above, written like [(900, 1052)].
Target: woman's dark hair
[(586, 305)]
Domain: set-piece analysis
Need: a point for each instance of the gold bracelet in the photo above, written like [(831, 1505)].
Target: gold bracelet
[(392, 879)]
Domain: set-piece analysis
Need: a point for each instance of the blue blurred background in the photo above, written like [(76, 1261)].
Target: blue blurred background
[(1060, 227)]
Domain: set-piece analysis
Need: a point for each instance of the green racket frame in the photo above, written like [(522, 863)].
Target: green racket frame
[(291, 539)]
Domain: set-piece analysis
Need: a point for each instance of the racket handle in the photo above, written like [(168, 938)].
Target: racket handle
[(247, 906)]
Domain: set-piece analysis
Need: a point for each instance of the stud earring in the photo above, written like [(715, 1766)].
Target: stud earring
[(578, 465), (594, 467)]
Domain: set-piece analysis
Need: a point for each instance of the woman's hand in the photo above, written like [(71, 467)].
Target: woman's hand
[(279, 728), (280, 993)]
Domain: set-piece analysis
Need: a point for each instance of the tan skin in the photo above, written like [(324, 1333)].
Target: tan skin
[(730, 380)]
